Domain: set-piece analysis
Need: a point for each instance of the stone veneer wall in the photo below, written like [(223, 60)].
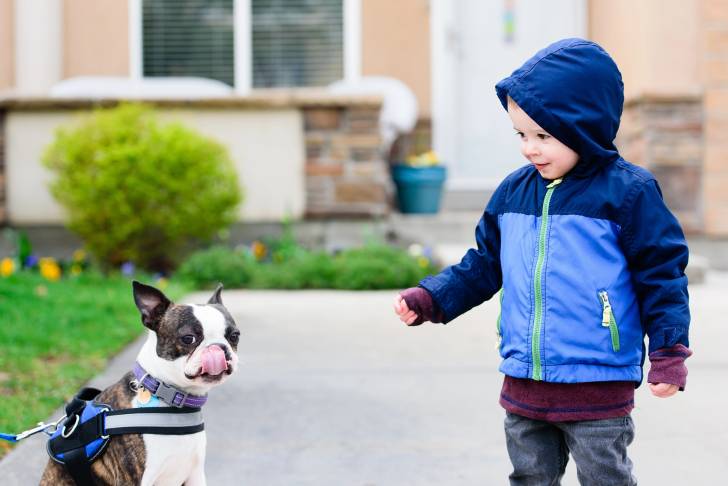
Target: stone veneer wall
[(346, 171), (665, 135)]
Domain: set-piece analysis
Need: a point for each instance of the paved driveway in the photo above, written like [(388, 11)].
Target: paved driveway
[(334, 391)]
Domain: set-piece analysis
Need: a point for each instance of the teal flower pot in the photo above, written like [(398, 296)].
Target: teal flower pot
[(419, 189)]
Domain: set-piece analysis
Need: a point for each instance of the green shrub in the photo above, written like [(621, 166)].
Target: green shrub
[(379, 267), (219, 264), (139, 191), (366, 268), (304, 270)]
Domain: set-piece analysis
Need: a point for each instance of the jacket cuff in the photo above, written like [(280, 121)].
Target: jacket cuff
[(667, 365), (419, 300), (668, 337)]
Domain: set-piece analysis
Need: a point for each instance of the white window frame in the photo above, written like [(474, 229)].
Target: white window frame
[(243, 45)]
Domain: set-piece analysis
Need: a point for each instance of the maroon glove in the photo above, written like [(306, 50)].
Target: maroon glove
[(420, 301), (667, 365)]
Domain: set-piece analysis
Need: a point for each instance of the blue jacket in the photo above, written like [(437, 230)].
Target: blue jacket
[(588, 264)]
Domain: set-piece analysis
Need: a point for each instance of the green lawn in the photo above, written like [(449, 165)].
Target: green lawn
[(54, 336)]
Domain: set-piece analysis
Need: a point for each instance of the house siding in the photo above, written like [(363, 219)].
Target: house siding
[(7, 44), (714, 62), (676, 96), (99, 47), (396, 43)]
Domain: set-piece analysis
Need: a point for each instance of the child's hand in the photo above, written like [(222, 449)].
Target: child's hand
[(406, 315), (663, 390)]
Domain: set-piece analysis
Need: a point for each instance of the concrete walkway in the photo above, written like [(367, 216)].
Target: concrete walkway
[(333, 390)]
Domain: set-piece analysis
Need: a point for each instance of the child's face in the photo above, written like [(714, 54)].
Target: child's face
[(551, 158)]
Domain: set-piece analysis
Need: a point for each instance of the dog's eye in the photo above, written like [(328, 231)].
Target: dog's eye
[(234, 337), (188, 339)]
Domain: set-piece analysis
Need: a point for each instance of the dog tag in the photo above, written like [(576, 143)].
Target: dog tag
[(143, 396)]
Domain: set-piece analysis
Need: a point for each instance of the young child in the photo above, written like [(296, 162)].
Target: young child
[(587, 258)]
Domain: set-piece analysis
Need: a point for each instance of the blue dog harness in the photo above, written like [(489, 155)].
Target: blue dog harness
[(83, 434), (89, 426)]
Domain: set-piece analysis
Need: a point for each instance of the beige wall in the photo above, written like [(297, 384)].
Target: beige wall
[(266, 146), (654, 43), (7, 44), (96, 38), (396, 42)]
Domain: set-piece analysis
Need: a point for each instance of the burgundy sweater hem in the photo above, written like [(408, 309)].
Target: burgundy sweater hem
[(567, 402)]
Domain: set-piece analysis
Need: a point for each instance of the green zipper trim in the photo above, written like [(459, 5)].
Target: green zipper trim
[(608, 319), (499, 336), (537, 290)]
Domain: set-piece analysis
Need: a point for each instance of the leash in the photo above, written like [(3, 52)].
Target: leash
[(48, 429)]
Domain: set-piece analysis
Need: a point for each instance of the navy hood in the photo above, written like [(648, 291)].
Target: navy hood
[(574, 91)]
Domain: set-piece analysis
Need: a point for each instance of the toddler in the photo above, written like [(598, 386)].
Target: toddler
[(588, 260)]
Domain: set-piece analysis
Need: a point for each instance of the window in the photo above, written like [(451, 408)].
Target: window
[(292, 42), (297, 42), (188, 38)]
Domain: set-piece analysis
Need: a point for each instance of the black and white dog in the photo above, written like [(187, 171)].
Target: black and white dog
[(190, 349)]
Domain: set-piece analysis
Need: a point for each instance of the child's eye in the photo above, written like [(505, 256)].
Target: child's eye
[(520, 134), (544, 136)]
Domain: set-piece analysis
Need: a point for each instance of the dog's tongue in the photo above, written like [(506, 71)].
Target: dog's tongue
[(213, 360)]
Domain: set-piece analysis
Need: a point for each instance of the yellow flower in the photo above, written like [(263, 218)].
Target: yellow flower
[(162, 283), (259, 250), (7, 267), (76, 269), (49, 269), (423, 262), (425, 159), (79, 256)]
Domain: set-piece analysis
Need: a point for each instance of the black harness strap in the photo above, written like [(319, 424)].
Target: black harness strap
[(79, 468), (69, 444)]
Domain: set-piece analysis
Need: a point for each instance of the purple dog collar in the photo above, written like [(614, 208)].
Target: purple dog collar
[(168, 394)]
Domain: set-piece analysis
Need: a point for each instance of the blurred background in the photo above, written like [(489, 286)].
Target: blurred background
[(295, 91), (283, 145)]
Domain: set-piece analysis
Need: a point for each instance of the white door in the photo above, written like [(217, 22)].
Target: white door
[(475, 44)]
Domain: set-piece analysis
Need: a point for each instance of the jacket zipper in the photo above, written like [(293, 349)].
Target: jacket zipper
[(498, 334), (537, 283), (608, 319)]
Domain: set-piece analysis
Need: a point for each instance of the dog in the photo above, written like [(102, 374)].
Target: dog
[(192, 348)]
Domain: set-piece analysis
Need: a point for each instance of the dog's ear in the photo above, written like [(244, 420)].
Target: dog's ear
[(152, 304), (216, 298)]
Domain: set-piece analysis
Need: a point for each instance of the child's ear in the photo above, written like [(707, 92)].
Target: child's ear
[(152, 304)]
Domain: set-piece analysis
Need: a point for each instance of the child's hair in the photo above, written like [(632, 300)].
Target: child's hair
[(512, 106)]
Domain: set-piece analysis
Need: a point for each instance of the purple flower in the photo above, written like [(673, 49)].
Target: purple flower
[(31, 261), (127, 269)]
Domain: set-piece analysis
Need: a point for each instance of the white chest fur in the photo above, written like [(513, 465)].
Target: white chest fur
[(173, 460)]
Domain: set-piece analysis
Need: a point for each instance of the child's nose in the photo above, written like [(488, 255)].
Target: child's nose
[(531, 148)]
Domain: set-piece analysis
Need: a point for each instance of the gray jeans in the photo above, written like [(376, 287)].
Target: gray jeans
[(540, 450)]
